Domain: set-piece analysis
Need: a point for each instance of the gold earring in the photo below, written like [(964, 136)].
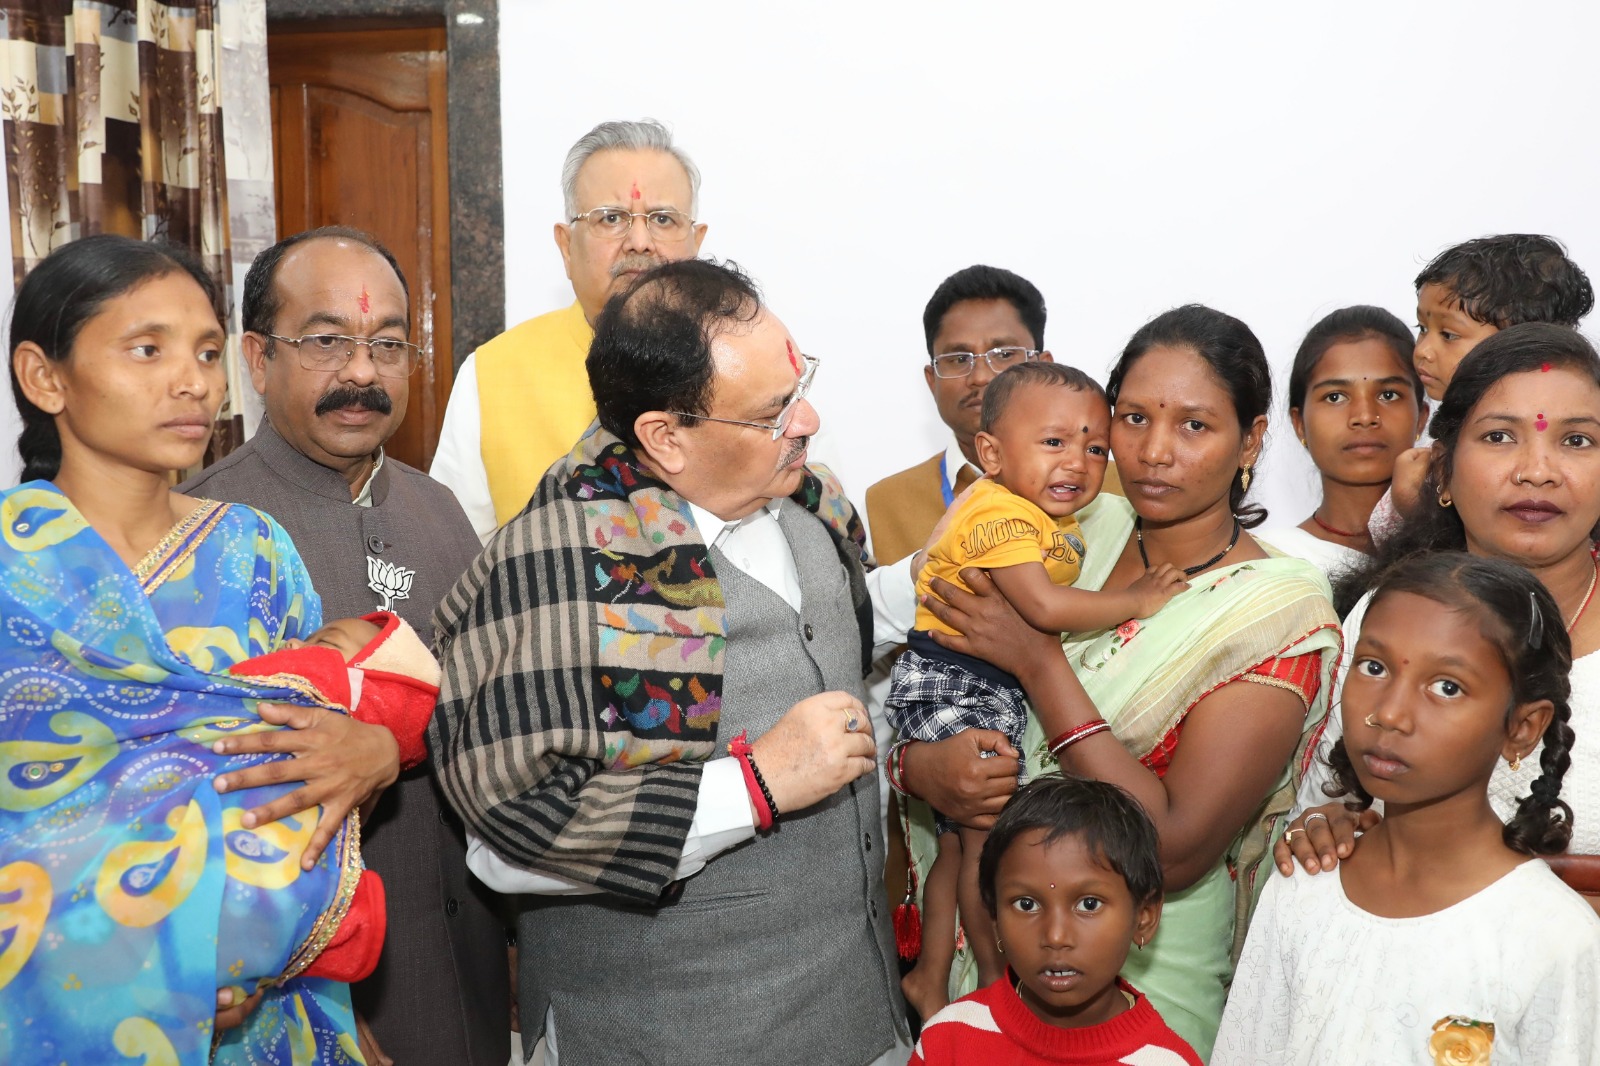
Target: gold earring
[(1244, 478), (1445, 500), (1303, 443), (1001, 948), (1516, 762)]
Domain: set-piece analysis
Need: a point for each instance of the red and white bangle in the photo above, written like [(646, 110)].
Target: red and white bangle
[(894, 766), (1072, 736), (760, 795)]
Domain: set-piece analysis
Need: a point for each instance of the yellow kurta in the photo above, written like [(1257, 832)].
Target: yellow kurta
[(534, 399)]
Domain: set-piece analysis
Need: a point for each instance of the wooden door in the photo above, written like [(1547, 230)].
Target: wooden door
[(359, 139)]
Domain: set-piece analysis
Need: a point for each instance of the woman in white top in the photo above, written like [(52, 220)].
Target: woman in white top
[(1515, 475), (1356, 403)]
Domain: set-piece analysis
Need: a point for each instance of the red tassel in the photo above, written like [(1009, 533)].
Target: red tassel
[(908, 930)]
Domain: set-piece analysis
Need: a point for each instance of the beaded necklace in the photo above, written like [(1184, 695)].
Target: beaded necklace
[(1188, 571)]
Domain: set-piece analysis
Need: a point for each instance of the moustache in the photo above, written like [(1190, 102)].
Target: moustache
[(637, 261), (795, 450), (370, 398)]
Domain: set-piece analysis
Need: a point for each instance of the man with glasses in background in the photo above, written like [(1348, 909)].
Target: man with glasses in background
[(521, 400), (650, 715), (980, 321), (326, 318)]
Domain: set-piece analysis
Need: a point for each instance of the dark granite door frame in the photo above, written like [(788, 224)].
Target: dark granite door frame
[(477, 214)]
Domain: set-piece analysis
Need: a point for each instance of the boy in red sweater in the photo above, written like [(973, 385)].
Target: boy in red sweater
[(1072, 878)]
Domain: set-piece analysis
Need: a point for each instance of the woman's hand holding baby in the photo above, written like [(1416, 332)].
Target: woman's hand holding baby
[(967, 777), (339, 761)]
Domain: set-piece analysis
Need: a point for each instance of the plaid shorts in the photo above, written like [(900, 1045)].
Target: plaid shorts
[(931, 699)]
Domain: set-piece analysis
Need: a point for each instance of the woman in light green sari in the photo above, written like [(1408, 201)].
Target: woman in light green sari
[(1213, 701)]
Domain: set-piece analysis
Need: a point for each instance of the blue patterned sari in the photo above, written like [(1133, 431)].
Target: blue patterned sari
[(129, 889)]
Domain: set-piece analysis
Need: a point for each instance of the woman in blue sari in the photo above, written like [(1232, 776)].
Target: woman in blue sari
[(132, 887)]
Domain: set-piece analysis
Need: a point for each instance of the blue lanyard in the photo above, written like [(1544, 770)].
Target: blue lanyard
[(944, 484)]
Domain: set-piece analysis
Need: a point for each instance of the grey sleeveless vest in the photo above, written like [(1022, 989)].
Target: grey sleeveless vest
[(780, 950)]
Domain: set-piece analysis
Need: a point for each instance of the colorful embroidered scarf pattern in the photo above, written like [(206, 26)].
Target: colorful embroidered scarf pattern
[(582, 661), (130, 891)]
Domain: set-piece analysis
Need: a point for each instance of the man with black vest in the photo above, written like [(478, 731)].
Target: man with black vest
[(651, 709), (326, 320)]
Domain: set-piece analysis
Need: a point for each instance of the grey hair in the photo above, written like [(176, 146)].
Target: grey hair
[(644, 135)]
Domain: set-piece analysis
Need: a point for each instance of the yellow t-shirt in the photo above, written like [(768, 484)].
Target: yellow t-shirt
[(995, 527)]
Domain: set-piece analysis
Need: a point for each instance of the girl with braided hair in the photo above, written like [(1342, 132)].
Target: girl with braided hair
[(1515, 476), (1442, 937)]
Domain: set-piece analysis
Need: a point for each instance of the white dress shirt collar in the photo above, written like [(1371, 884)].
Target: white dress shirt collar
[(364, 497), (714, 530)]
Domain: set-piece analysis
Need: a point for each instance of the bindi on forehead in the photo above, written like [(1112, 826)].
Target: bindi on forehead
[(364, 301), (1539, 422), (794, 360), (634, 192)]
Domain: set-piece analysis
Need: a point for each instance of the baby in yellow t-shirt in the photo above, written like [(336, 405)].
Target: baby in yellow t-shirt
[(1043, 443)]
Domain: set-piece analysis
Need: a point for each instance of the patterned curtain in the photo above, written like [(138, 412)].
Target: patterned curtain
[(113, 124), (247, 137)]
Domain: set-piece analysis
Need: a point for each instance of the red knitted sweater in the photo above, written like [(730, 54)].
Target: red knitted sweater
[(993, 1026)]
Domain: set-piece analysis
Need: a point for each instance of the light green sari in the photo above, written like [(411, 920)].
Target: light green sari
[(1144, 677)]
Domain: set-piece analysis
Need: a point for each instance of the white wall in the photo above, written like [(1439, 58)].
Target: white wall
[(1273, 160)]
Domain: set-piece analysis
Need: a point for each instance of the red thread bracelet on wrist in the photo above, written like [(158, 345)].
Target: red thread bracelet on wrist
[(766, 811), (1072, 736)]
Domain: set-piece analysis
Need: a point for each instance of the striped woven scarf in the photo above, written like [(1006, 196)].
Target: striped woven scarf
[(582, 661)]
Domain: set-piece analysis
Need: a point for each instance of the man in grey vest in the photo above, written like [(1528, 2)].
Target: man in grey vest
[(326, 320), (651, 710)]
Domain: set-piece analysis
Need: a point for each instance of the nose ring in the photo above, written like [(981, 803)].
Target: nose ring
[(1369, 720)]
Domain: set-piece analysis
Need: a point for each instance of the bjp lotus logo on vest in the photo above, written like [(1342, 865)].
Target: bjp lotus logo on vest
[(389, 580)]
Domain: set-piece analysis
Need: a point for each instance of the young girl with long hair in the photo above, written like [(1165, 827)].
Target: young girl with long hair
[(1442, 938)]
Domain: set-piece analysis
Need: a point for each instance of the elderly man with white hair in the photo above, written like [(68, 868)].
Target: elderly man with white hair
[(521, 401)]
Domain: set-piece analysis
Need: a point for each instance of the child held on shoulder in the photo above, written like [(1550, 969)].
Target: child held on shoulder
[(1442, 938), (1467, 293), (1071, 877), (1043, 444)]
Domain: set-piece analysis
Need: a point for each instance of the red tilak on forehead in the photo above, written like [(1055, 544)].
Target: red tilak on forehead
[(1539, 423), (635, 190), (364, 301), (793, 360)]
